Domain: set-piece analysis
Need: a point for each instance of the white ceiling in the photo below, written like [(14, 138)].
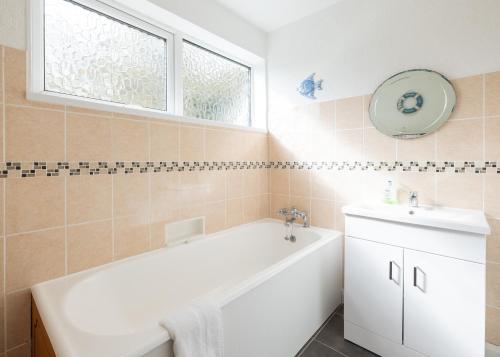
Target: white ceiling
[(270, 15)]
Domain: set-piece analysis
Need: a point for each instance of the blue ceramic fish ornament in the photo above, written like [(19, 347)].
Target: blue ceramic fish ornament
[(309, 86)]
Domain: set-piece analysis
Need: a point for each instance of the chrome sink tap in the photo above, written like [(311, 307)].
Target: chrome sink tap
[(413, 199)]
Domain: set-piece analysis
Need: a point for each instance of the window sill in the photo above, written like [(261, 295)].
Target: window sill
[(68, 100)]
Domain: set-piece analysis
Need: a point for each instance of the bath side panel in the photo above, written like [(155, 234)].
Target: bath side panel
[(277, 317)]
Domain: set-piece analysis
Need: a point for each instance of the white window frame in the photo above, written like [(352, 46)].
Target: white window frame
[(36, 83), (36, 66)]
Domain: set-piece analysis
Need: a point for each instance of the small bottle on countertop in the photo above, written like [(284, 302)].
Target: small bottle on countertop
[(390, 193)]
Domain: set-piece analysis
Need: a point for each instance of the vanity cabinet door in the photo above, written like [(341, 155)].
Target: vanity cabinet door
[(444, 305), (373, 294)]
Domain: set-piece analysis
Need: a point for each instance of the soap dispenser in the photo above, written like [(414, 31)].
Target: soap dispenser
[(390, 193)]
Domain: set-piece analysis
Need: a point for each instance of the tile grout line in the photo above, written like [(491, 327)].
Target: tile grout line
[(113, 250), (483, 178), (330, 347), (65, 193), (4, 187)]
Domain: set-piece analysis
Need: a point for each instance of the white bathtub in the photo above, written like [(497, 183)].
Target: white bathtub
[(274, 294)]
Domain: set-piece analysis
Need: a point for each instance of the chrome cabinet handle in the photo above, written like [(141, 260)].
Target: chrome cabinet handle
[(391, 263), (415, 279)]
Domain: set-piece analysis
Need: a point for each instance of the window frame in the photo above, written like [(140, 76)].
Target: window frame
[(174, 39), (217, 53), (36, 75)]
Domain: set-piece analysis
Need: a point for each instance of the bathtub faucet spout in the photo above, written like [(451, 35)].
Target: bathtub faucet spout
[(292, 214)]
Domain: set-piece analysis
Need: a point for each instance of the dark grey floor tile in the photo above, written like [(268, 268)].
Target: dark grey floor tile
[(316, 349), (340, 310), (333, 335)]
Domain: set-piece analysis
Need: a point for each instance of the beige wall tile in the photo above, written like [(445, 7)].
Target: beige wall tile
[(492, 195), (280, 181), (493, 242), (18, 306), (192, 143), (423, 183), (339, 217), (459, 190), (164, 196), (264, 206), (88, 138), (88, 198), (129, 140), (264, 180), (218, 144), (158, 238), (34, 257), (349, 113), (349, 186), (323, 213), (300, 182), (492, 134), (193, 210), (235, 212), (1, 130), (322, 184), (323, 133), (15, 79), (349, 145), (379, 147), (277, 202), (130, 195), (460, 140), (1, 88), (493, 93), (469, 92), (367, 123), (81, 110), (493, 284), (251, 206), (215, 215), (251, 182), (420, 149), (164, 142), (216, 185), (34, 203), (131, 236), (301, 203), (279, 148), (193, 188), (34, 134), (493, 325), (89, 245), (235, 184)]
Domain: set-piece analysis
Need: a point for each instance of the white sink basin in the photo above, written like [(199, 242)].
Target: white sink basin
[(439, 217)]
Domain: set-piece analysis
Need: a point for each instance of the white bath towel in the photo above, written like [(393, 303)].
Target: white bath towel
[(196, 330)]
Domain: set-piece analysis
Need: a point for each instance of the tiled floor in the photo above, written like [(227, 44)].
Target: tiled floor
[(329, 341)]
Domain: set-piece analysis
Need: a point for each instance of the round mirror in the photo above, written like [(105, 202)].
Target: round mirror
[(412, 104)]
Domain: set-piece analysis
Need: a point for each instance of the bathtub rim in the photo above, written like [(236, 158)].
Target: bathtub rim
[(51, 311)]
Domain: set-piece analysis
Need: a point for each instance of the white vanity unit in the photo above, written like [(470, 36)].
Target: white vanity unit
[(415, 280)]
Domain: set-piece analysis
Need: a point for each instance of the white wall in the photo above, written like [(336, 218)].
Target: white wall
[(356, 44), (13, 23), (220, 21)]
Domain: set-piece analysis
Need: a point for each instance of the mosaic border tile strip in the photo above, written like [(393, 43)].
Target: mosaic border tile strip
[(477, 167), (40, 168)]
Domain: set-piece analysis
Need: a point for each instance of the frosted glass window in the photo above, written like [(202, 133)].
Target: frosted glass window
[(89, 54), (215, 87)]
